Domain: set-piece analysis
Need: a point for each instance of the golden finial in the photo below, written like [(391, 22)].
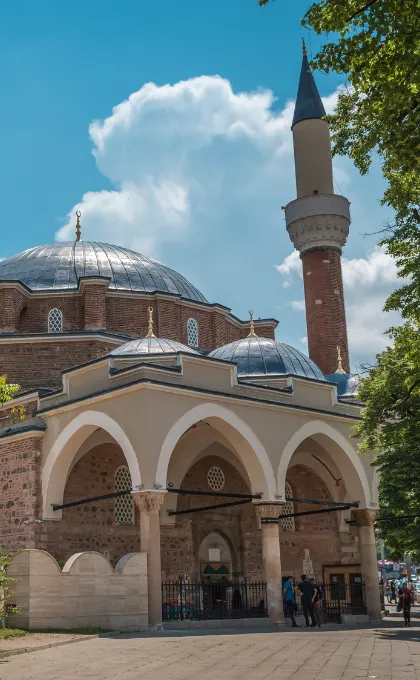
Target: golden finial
[(340, 370), (150, 333), (78, 232), (304, 47), (252, 333)]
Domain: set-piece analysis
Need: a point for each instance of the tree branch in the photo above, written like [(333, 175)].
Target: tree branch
[(362, 9)]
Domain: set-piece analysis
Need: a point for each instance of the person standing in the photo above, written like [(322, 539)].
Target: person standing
[(307, 594), (393, 592), (317, 601), (406, 603), (289, 601), (412, 589)]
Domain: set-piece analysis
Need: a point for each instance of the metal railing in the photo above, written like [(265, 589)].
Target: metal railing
[(338, 599), (205, 600)]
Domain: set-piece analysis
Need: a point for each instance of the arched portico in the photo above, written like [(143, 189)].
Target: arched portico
[(346, 459), (65, 448), (244, 442)]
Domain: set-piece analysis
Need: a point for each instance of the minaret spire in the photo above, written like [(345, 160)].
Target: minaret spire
[(318, 225), (308, 102)]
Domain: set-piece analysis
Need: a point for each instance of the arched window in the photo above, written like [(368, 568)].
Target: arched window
[(192, 331), (288, 524), (55, 321), (124, 509)]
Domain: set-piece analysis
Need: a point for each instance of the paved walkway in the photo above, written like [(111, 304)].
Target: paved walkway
[(389, 652)]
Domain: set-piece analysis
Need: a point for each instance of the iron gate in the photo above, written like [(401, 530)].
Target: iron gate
[(206, 600)]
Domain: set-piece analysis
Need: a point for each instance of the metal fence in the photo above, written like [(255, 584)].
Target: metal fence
[(205, 600), (338, 599)]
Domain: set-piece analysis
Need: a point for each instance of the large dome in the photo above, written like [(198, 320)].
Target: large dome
[(60, 265), (256, 357)]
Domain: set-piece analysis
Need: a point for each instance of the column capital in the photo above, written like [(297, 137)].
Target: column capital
[(268, 510), (149, 500), (365, 517)]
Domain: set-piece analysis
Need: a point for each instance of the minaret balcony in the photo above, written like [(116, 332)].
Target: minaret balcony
[(318, 221)]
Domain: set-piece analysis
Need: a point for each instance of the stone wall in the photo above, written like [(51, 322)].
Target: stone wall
[(39, 364), (87, 593), (91, 526), (20, 498)]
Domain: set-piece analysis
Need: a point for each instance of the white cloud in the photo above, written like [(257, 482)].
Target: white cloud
[(298, 305), (176, 152), (367, 283), (198, 166)]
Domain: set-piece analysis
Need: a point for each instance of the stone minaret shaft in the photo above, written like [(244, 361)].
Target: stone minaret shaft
[(318, 225)]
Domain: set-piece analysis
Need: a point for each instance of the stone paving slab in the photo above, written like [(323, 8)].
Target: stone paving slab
[(387, 652)]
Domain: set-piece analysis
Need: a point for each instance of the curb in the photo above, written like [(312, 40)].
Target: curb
[(25, 650)]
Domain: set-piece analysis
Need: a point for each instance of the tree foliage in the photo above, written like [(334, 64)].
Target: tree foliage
[(7, 390), (5, 585), (375, 44), (391, 425)]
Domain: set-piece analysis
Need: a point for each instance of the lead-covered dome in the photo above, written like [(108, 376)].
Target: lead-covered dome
[(256, 357), (60, 266), (146, 346)]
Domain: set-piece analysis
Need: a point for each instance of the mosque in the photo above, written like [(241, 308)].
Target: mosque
[(150, 420)]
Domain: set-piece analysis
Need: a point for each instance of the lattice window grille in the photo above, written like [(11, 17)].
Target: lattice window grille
[(55, 321), (216, 478), (124, 509), (192, 331), (288, 524)]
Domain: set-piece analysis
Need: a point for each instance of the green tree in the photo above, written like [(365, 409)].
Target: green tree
[(5, 581), (391, 425), (375, 44), (7, 390)]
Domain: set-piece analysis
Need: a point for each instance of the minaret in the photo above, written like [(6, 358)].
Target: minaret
[(318, 225)]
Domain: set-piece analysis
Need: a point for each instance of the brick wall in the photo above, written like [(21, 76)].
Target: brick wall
[(180, 544), (94, 305), (40, 364), (8, 418), (317, 533), (34, 318), (91, 526), (20, 497), (11, 304), (325, 313)]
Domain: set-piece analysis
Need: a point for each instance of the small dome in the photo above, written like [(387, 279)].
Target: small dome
[(151, 346), (60, 266), (263, 356)]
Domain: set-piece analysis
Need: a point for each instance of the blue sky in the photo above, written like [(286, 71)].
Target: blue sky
[(194, 174)]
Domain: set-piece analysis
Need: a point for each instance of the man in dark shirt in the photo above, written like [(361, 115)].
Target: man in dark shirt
[(308, 594)]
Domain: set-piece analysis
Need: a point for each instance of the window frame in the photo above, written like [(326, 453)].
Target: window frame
[(192, 328), (58, 314), (123, 499)]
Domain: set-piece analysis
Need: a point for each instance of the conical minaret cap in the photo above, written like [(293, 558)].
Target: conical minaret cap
[(308, 102)]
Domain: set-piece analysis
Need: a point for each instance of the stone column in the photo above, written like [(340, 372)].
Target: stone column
[(368, 560), (150, 502), (272, 562)]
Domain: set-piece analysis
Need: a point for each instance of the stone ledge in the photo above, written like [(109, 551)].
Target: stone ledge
[(38, 648)]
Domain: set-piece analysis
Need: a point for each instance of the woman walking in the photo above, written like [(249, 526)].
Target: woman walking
[(405, 599)]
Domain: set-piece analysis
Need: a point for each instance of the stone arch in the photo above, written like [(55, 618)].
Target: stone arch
[(246, 444), (348, 462), (60, 457)]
